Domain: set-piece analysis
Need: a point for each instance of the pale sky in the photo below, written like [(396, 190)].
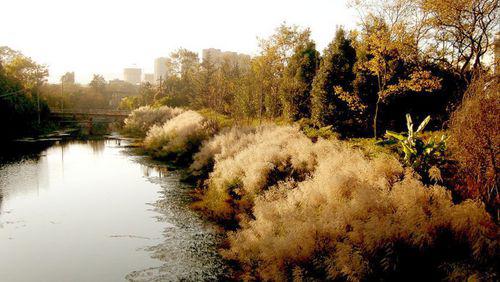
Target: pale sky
[(105, 36)]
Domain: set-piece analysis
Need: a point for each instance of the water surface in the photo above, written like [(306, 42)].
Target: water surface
[(91, 211)]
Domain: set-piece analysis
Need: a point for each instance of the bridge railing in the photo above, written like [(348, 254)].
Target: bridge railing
[(97, 112)]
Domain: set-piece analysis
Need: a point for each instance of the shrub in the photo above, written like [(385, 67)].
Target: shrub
[(178, 138), (475, 140), (216, 121), (143, 118), (360, 219), (249, 163), (314, 132)]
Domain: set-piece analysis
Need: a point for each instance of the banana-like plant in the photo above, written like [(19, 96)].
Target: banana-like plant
[(417, 152)]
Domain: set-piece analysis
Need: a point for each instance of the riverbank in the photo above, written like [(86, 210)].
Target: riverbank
[(300, 203)]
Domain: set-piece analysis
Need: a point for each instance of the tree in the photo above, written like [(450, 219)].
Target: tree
[(98, 84), (247, 95), (458, 33), (180, 85), (332, 103), (24, 69), (386, 62), (182, 62), (465, 29), (206, 82), (68, 78), (299, 74), (271, 63), (94, 97), (20, 78)]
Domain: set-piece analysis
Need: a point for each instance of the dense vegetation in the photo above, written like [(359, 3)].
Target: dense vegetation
[(324, 208), (276, 163), (21, 112), (277, 143), (98, 94)]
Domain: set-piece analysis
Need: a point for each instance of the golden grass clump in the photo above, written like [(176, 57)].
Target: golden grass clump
[(359, 219), (140, 120), (249, 162), (223, 145), (179, 136)]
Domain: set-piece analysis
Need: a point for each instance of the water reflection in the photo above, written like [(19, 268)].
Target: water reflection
[(189, 250), (88, 211), (25, 177), (12, 152), (154, 170)]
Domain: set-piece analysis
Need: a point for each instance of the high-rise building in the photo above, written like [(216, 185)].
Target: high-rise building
[(160, 68), (149, 77), (218, 57), (132, 75)]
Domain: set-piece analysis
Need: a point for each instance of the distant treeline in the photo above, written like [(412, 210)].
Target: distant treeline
[(98, 94)]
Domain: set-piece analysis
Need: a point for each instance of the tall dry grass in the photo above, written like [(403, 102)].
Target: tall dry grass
[(325, 210), (178, 137), (221, 146), (142, 119), (359, 219), (247, 162)]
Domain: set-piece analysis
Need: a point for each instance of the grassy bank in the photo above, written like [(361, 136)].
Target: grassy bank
[(299, 203)]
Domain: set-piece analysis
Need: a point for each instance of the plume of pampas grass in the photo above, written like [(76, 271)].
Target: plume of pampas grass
[(359, 219), (142, 119), (178, 136), (247, 162)]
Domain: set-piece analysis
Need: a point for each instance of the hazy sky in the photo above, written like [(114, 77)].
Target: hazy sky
[(104, 36)]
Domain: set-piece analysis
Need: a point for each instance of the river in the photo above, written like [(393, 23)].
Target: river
[(93, 211)]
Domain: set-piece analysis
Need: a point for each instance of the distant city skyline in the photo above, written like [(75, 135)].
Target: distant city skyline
[(104, 37)]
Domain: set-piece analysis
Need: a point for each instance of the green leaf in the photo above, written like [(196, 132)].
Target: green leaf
[(395, 135), (386, 142), (409, 124), (423, 124)]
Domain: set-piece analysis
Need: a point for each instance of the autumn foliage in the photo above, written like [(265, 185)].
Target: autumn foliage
[(323, 209), (301, 203), (475, 141)]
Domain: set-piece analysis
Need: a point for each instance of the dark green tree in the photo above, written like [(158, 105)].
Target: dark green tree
[(332, 101), (297, 83)]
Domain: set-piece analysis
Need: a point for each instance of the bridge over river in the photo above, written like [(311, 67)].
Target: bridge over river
[(90, 112), (89, 115)]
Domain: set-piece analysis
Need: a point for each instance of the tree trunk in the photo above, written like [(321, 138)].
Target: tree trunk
[(375, 119)]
